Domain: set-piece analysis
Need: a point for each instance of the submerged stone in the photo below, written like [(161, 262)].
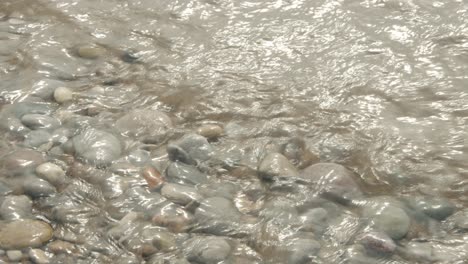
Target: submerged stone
[(24, 233)]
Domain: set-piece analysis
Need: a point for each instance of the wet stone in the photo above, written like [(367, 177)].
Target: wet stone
[(36, 187), (173, 217), (182, 173), (153, 177), (36, 121), (208, 250), (390, 219), (37, 138), (460, 219), (4, 189), (314, 220), (97, 147), (16, 207), (296, 151), (14, 255), (21, 161), (90, 51), (275, 164), (437, 208), (59, 246), (52, 173), (24, 233), (210, 131), (38, 256), (180, 194), (378, 243), (196, 146), (302, 250), (144, 123), (63, 95), (419, 251)]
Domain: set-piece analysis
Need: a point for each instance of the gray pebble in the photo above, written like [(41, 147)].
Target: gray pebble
[(437, 208), (144, 123), (52, 173), (37, 138), (182, 173), (97, 147), (36, 121), (389, 219), (90, 51), (16, 207), (419, 251), (36, 187), (180, 194), (4, 189), (14, 255), (196, 146), (275, 164), (21, 161), (208, 250)]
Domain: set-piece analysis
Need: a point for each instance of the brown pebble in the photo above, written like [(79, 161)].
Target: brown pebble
[(59, 246), (153, 177), (210, 131)]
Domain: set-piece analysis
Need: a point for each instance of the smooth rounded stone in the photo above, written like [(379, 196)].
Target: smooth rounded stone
[(61, 135), (24, 233), (63, 95), (14, 255), (97, 147), (60, 246), (210, 131), (37, 138), (333, 181), (389, 219), (196, 146), (314, 220), (45, 88), (21, 161), (90, 51), (208, 250), (52, 173), (377, 243), (437, 208), (36, 121), (136, 199), (174, 218), (180, 194), (18, 110), (153, 177), (13, 125), (218, 207), (4, 189), (302, 250), (36, 187), (227, 190), (274, 165), (38, 256), (144, 122), (139, 157), (182, 173), (177, 154), (16, 207), (419, 251), (296, 151)]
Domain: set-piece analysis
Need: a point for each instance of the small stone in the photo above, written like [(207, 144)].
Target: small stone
[(275, 164), (37, 138), (24, 233), (208, 250), (196, 146), (145, 123), (16, 207), (63, 95), (437, 208), (60, 246), (180, 194), (391, 220), (90, 51), (36, 187), (153, 177), (51, 173), (14, 255), (210, 131), (174, 218), (38, 256), (378, 243), (36, 121), (182, 173)]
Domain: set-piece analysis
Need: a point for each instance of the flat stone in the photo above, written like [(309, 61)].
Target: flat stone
[(97, 147), (153, 177), (275, 164), (36, 121), (24, 233), (16, 207)]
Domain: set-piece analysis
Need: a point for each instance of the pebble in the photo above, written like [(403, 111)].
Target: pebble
[(14, 255), (52, 173), (275, 164), (391, 220), (21, 161), (16, 207), (24, 233), (378, 243), (207, 250), (333, 181), (174, 218), (90, 51), (296, 151), (437, 208), (420, 251), (36, 187), (38, 256), (180, 194), (60, 246), (63, 95), (182, 173), (176, 153), (97, 147), (36, 121), (196, 146), (210, 131), (37, 138), (153, 177)]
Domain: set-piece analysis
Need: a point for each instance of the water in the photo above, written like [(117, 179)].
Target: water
[(377, 86)]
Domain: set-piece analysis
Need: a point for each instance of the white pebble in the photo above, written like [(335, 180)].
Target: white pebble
[(63, 94), (51, 173), (14, 255)]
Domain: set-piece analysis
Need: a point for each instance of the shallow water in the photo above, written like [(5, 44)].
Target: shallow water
[(376, 86)]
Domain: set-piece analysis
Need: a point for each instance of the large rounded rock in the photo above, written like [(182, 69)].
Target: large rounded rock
[(333, 181), (148, 123), (97, 147), (275, 164), (24, 233)]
